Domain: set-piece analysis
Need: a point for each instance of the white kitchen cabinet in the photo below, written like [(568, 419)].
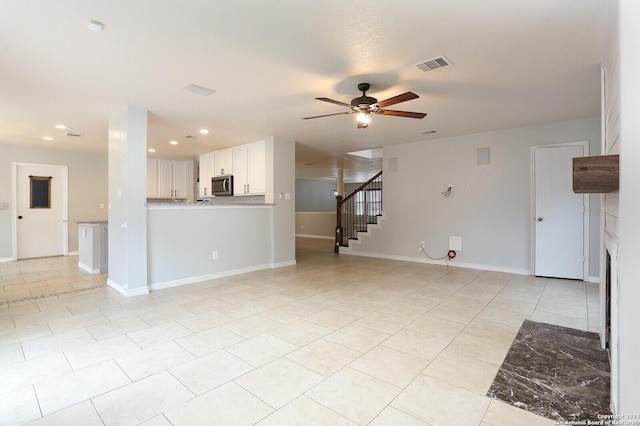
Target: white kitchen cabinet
[(165, 178), (181, 179), (240, 165), (249, 170), (223, 162), (207, 169), (152, 181), (171, 179)]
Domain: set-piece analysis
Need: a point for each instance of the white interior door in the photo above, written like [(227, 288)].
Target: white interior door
[(559, 213), (41, 231)]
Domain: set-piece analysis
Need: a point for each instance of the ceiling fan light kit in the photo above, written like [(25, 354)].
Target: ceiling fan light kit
[(365, 105)]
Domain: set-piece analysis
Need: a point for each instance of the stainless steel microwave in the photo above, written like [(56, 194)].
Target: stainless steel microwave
[(222, 185)]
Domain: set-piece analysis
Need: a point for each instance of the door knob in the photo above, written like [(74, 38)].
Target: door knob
[(19, 217), (540, 219)]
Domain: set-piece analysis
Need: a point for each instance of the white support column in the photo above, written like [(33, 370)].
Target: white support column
[(281, 186), (340, 182), (127, 198)]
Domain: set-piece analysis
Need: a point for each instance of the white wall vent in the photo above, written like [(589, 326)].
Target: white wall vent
[(434, 64)]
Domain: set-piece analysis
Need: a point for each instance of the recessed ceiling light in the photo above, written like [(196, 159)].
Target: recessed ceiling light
[(173, 142), (198, 90), (61, 126), (204, 131), (151, 150), (47, 138)]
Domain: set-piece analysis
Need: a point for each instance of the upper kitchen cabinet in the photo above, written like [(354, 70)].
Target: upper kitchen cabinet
[(207, 170), (249, 169), (223, 162), (152, 178), (171, 178)]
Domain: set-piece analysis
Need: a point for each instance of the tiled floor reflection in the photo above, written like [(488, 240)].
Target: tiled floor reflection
[(333, 340), (557, 372)]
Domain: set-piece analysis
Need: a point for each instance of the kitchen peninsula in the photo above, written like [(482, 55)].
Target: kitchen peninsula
[(190, 242)]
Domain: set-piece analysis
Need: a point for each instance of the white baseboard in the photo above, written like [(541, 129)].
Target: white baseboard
[(7, 259), (321, 237), (595, 280), (73, 253), (126, 292), (283, 264), (88, 269), (453, 263), (200, 278)]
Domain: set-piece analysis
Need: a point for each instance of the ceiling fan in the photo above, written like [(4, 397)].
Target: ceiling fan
[(365, 105)]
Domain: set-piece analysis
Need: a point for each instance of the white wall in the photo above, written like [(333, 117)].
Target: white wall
[(316, 224), (611, 201), (182, 239), (490, 206), (87, 188), (629, 209), (315, 195)]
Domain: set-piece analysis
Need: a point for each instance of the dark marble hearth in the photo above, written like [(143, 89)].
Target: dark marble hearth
[(556, 372)]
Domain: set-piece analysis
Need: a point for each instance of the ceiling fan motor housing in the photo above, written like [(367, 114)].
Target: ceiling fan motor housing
[(364, 100)]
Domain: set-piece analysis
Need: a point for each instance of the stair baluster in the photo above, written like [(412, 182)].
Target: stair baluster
[(357, 210)]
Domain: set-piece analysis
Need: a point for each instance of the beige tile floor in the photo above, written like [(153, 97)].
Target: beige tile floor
[(334, 340)]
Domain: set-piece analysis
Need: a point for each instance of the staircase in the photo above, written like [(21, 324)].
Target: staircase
[(358, 211)]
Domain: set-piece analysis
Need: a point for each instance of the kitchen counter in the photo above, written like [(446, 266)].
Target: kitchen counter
[(249, 201)]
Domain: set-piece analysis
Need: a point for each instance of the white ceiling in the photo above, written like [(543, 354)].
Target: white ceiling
[(516, 63)]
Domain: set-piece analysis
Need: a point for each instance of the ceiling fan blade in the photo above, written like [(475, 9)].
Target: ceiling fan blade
[(331, 101), (397, 99), (326, 115), (401, 113)]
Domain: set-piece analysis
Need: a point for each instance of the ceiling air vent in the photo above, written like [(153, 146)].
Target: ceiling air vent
[(73, 135), (428, 132), (191, 137), (434, 64)]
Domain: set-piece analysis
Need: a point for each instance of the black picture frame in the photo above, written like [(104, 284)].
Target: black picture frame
[(40, 192)]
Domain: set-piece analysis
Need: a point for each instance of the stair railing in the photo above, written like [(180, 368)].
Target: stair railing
[(357, 210)]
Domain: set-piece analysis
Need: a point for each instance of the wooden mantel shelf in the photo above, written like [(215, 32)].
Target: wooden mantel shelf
[(597, 174)]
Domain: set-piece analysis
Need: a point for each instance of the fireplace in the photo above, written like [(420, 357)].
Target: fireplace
[(607, 301), (609, 329)]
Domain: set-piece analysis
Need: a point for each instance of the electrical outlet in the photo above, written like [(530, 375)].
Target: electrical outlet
[(420, 246), (215, 255)]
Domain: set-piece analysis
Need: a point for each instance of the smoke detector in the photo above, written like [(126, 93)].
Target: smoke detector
[(198, 90), (434, 64), (95, 26)]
